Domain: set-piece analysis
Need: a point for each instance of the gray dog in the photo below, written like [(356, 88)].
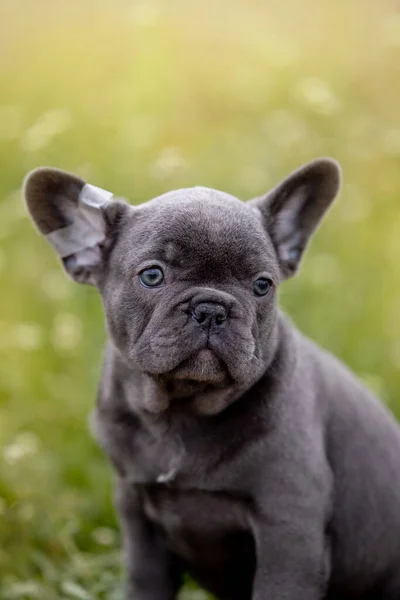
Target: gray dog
[(244, 455)]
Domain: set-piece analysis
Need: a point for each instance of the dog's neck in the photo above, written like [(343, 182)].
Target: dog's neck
[(161, 447)]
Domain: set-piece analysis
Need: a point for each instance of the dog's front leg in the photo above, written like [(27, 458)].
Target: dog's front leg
[(292, 562), (152, 573)]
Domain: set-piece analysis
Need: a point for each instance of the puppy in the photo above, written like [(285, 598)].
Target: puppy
[(244, 455)]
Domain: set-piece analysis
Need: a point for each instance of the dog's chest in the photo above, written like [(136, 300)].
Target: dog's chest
[(195, 522), (177, 454), (142, 455)]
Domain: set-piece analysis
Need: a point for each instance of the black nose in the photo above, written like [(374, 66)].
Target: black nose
[(210, 314)]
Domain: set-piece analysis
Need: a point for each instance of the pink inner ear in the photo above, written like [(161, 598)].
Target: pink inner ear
[(287, 217), (87, 226), (89, 257)]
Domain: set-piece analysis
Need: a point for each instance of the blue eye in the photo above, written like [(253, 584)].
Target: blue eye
[(262, 286), (152, 277)]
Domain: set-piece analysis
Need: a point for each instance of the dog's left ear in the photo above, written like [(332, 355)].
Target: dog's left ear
[(78, 219), (292, 211)]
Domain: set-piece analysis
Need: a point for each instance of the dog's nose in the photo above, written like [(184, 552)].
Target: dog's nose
[(210, 314)]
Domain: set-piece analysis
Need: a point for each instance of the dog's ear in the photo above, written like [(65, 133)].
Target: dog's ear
[(79, 220), (293, 209)]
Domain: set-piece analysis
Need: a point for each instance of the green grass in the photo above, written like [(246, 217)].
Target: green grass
[(140, 98)]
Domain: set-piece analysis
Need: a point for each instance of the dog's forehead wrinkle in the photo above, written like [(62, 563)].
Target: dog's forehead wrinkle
[(204, 250)]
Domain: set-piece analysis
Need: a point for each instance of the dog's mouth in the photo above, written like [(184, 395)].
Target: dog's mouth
[(201, 384), (201, 373), (202, 367)]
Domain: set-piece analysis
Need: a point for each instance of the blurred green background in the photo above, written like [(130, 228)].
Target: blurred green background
[(139, 98)]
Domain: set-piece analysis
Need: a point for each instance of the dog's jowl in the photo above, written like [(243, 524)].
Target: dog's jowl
[(244, 455)]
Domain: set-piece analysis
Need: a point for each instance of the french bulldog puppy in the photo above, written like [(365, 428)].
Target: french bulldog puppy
[(244, 454)]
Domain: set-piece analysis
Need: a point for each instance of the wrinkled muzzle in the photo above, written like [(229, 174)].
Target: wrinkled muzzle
[(205, 335)]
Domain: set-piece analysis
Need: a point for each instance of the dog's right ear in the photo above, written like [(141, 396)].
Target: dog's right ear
[(79, 220)]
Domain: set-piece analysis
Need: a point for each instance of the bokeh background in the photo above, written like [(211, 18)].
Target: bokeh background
[(139, 98)]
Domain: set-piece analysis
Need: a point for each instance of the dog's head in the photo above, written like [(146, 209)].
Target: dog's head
[(188, 279)]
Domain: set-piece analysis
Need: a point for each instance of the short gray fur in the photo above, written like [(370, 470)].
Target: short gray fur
[(243, 453)]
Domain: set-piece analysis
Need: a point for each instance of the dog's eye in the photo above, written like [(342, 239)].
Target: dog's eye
[(151, 277), (262, 286)]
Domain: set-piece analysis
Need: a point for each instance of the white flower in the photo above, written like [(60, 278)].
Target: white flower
[(104, 536), (48, 125), (73, 590), (168, 162), (317, 94), (67, 331), (25, 444), (24, 589), (28, 336)]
